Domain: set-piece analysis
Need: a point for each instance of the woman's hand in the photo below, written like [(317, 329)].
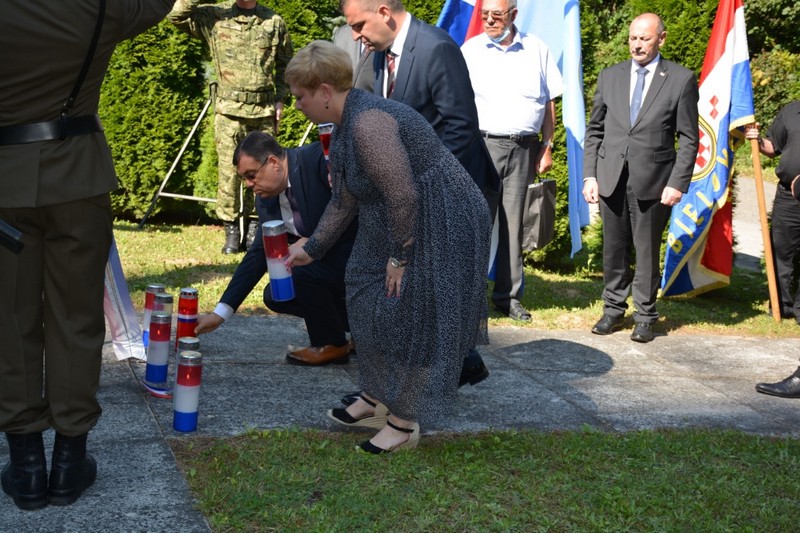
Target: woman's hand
[(297, 255), (394, 277)]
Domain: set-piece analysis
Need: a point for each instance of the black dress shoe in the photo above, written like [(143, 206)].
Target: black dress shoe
[(788, 388), (473, 373), (608, 324), (642, 332), (514, 310)]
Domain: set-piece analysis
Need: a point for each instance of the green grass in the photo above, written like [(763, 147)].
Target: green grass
[(183, 256), (291, 480), (523, 481)]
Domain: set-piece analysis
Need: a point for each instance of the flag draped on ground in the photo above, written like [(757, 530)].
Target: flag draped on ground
[(126, 334), (700, 239), (557, 23)]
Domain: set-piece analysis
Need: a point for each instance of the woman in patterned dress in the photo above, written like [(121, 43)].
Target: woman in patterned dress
[(416, 279)]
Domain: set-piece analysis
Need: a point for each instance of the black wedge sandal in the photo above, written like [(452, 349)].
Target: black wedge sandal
[(376, 420), (411, 443)]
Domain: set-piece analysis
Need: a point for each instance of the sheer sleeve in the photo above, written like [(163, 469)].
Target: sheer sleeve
[(338, 215), (385, 160)]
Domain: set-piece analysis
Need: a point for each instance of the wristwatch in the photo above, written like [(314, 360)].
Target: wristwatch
[(547, 144), (397, 263)]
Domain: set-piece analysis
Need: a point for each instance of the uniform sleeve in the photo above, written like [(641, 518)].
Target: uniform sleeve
[(188, 17), (283, 54)]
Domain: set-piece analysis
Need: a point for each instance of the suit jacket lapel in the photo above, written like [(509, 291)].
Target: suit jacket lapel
[(656, 84), (297, 180), (406, 60), (621, 90)]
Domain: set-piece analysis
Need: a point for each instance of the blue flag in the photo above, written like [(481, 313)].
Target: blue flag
[(557, 23)]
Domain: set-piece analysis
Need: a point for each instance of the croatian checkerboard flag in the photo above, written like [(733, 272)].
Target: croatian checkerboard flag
[(557, 23), (700, 239)]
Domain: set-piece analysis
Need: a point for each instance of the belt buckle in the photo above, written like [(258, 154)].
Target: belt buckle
[(515, 137)]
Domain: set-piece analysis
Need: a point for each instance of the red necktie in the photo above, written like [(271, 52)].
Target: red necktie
[(389, 72)]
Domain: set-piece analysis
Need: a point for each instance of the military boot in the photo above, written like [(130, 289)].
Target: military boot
[(24, 478), (72, 470), (232, 238), (252, 228)]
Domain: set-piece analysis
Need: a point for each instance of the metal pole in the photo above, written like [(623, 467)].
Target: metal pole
[(160, 191)]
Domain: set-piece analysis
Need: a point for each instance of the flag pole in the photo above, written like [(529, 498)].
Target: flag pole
[(762, 215)]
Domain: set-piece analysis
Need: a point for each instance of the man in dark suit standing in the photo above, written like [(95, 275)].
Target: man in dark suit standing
[(56, 173), (292, 185), (421, 66), (641, 107)]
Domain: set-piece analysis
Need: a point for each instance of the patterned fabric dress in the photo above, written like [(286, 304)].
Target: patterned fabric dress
[(389, 167)]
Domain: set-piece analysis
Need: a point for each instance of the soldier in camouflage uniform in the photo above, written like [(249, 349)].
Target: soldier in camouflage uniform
[(250, 47)]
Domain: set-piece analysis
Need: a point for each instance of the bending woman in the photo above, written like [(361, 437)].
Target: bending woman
[(416, 279)]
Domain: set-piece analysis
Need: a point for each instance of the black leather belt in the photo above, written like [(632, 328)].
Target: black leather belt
[(513, 137), (50, 130)]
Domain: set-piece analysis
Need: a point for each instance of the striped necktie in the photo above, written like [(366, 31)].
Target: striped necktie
[(390, 72)]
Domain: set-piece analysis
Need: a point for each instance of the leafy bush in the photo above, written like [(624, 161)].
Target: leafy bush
[(149, 101)]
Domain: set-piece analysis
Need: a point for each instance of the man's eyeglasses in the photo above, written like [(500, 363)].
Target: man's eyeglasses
[(495, 14), (250, 176)]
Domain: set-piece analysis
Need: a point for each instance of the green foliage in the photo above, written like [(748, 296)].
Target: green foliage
[(772, 24), (775, 82), (206, 176), (148, 104)]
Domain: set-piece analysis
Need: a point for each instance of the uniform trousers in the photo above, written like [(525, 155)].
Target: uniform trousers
[(51, 316), (229, 131)]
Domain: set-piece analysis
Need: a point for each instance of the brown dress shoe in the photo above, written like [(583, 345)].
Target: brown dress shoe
[(319, 355)]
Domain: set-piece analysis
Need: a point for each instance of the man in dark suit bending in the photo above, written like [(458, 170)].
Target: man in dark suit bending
[(421, 66), (292, 185), (631, 166)]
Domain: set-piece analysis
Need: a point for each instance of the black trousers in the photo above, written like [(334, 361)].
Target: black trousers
[(785, 246), (631, 227), (319, 298)]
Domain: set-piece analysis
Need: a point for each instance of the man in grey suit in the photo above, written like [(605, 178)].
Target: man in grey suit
[(430, 75), (55, 176), (641, 107)]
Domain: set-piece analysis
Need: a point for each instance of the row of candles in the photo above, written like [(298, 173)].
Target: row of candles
[(157, 337)]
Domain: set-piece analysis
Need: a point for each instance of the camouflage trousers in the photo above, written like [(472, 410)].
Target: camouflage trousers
[(228, 133)]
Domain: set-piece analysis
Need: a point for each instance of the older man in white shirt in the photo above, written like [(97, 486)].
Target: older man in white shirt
[(515, 79)]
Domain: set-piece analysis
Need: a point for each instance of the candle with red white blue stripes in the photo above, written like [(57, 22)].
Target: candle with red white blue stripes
[(158, 348), (186, 398), (149, 299), (276, 249), (187, 314)]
